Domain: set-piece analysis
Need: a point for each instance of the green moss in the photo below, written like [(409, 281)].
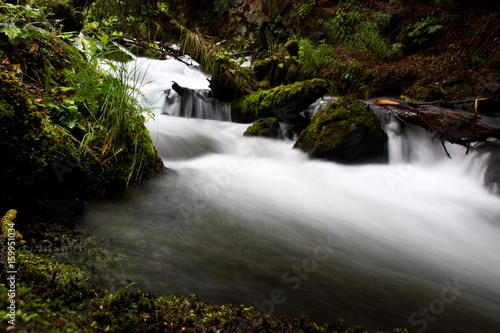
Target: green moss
[(267, 127), (346, 131), (7, 223), (55, 297), (429, 93), (29, 145), (265, 103), (292, 46)]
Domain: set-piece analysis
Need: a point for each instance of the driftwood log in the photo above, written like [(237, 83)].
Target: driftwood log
[(447, 125)]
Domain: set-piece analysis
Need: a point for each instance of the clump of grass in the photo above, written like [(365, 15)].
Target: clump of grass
[(314, 59), (358, 29), (107, 94)]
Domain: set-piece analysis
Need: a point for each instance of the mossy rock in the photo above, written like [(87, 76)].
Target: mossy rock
[(347, 131), (29, 145), (267, 127), (429, 93), (292, 46), (284, 102), (43, 175)]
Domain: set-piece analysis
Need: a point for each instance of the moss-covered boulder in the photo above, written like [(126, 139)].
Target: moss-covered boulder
[(284, 102), (347, 131), (266, 127), (46, 173), (29, 145)]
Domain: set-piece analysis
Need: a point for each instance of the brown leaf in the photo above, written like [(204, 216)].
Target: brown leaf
[(386, 102)]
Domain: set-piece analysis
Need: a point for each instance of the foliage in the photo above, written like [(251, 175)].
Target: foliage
[(306, 9), (228, 78), (422, 30), (16, 18), (222, 6), (102, 89), (315, 59), (28, 141), (357, 29), (128, 17), (443, 3), (63, 106)]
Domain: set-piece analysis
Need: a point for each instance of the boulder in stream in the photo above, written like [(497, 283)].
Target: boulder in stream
[(266, 127), (347, 131), (284, 102)]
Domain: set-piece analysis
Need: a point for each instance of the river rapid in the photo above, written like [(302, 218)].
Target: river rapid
[(412, 243)]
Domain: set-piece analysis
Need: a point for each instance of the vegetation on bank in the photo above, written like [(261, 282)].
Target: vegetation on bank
[(70, 127)]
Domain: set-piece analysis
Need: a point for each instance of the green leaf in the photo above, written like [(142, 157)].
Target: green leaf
[(11, 32), (64, 89), (71, 123)]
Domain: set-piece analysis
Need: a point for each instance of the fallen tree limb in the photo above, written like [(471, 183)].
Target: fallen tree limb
[(447, 125), (162, 49)]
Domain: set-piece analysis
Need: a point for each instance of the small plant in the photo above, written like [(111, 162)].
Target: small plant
[(477, 61), (422, 30), (358, 30), (106, 93), (315, 59), (306, 9), (16, 18)]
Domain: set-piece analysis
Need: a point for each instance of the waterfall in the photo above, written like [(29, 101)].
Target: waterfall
[(195, 104), (413, 243)]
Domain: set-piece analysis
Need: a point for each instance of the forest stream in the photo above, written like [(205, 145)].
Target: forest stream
[(412, 243)]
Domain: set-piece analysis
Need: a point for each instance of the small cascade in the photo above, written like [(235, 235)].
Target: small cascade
[(195, 104)]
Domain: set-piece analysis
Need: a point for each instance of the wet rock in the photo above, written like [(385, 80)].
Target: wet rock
[(347, 131), (284, 102), (266, 127)]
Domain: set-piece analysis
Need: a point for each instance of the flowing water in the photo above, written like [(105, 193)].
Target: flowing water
[(413, 243)]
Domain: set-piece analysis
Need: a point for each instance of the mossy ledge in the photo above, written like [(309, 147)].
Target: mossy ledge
[(347, 131), (284, 102)]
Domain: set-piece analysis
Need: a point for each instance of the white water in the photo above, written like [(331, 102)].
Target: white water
[(238, 219)]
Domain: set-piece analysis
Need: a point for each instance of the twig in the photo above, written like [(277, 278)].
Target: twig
[(445, 150), (474, 123)]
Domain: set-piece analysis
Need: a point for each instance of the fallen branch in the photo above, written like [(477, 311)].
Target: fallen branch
[(163, 49), (448, 125)]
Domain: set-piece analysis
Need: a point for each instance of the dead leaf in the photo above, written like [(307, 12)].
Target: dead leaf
[(386, 102)]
